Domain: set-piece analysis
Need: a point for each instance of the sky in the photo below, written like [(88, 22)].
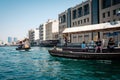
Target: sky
[(19, 16)]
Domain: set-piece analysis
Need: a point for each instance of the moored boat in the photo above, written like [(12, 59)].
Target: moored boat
[(85, 55)]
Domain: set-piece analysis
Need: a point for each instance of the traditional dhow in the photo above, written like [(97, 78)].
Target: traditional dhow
[(85, 55)]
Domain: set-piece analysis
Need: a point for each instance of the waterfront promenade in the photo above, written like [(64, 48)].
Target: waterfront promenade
[(37, 64)]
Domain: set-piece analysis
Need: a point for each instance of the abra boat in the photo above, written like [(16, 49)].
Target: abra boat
[(26, 49), (85, 55)]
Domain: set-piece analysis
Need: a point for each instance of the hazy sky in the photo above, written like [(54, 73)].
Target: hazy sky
[(18, 16)]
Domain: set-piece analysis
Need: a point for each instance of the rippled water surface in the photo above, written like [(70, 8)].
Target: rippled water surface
[(37, 64)]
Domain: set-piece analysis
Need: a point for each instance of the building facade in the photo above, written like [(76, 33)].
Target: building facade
[(88, 13), (31, 35), (36, 36), (108, 10), (42, 32), (51, 28)]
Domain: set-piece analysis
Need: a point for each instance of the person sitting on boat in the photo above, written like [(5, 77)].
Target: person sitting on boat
[(98, 45), (83, 46), (111, 45), (20, 46)]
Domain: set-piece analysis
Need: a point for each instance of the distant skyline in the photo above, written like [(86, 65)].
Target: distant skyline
[(19, 16)]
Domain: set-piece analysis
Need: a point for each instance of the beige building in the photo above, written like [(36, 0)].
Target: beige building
[(108, 10), (81, 14), (88, 13), (51, 28), (31, 36), (76, 16), (63, 23), (42, 32)]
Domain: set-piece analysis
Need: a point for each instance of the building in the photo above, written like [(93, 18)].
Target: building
[(15, 39), (64, 22), (36, 36), (42, 32), (88, 13), (10, 40), (51, 28), (31, 35), (108, 10)]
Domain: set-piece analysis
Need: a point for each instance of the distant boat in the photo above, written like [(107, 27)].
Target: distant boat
[(25, 46), (26, 49), (49, 43)]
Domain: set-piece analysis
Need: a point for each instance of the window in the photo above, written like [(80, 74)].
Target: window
[(106, 3), (80, 12), (84, 20), (81, 21), (60, 19), (64, 18), (87, 19), (114, 2), (74, 37), (73, 23), (114, 12), (78, 22), (74, 14), (108, 13), (86, 9), (114, 20), (103, 15)]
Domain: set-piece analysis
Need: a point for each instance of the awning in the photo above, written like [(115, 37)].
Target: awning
[(95, 27)]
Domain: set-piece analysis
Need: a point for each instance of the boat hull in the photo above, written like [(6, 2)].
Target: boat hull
[(26, 49), (85, 55)]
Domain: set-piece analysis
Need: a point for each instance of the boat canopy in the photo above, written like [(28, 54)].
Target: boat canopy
[(95, 27)]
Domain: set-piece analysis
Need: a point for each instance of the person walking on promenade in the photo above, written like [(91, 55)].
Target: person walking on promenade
[(111, 45), (98, 46)]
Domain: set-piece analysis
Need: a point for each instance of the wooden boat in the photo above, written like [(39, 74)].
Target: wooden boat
[(85, 55), (26, 49)]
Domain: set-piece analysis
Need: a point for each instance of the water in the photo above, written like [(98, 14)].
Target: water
[(37, 64)]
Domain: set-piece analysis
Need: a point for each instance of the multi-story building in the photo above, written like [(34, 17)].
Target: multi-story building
[(51, 28), (15, 39), (64, 22), (108, 10), (10, 40), (42, 32), (36, 36), (31, 35), (88, 13), (75, 17)]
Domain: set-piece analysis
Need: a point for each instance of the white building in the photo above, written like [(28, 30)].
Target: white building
[(42, 32), (31, 36), (52, 30), (36, 36)]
